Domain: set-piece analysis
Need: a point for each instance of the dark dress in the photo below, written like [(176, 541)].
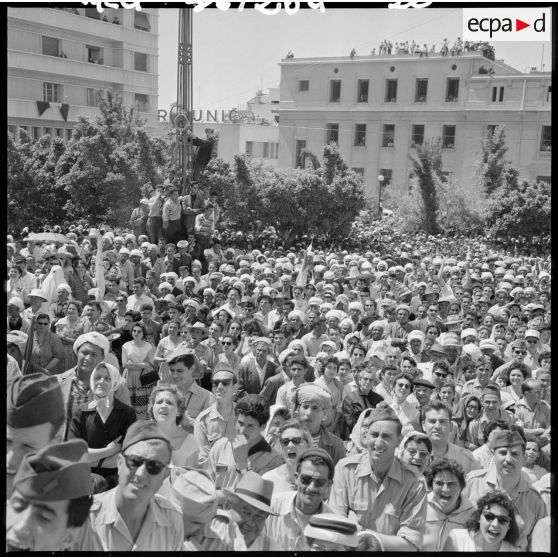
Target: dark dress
[(88, 426)]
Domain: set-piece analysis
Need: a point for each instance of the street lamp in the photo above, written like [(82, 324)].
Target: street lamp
[(381, 181)]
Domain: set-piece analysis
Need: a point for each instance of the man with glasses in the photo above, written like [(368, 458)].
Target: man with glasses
[(132, 516), (436, 423), (218, 420), (313, 479), (383, 493), (505, 474)]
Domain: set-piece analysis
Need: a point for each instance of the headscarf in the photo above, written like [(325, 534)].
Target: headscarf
[(273, 410), (54, 278), (104, 405), (460, 416), (357, 429), (298, 343)]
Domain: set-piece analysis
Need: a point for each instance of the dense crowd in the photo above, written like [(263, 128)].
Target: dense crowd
[(174, 387), (458, 47)]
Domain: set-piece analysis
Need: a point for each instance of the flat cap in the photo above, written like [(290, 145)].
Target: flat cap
[(423, 382), (317, 452), (144, 430)]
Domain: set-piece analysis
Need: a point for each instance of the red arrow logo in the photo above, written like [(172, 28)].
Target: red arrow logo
[(519, 25)]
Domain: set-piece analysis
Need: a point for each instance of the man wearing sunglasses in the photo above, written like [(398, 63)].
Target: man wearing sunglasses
[(508, 449), (132, 516), (313, 479)]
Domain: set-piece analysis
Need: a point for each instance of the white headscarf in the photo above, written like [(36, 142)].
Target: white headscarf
[(104, 405)]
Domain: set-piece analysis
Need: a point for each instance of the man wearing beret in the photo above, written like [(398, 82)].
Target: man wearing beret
[(293, 509), (132, 516), (91, 349), (505, 474), (35, 415), (256, 368), (384, 494), (48, 510)]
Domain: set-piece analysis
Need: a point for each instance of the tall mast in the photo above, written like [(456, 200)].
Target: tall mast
[(184, 98)]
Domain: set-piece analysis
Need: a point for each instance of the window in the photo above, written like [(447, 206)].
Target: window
[(51, 46), (270, 150), (543, 179), (24, 133), (52, 92), (359, 171), (546, 138), (94, 97), (140, 62), (303, 85), (497, 94), (334, 90), (549, 94), (490, 129), (452, 90), (266, 150), (141, 21), (36, 133), (142, 102), (362, 91), (92, 13), (391, 91), (332, 133), (48, 131), (94, 54), (250, 148), (59, 132), (360, 135), (299, 146), (387, 174), (417, 135), (388, 135), (69, 133), (421, 88), (448, 137)]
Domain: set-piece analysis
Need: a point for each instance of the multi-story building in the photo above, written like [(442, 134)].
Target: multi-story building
[(378, 108), (60, 60)]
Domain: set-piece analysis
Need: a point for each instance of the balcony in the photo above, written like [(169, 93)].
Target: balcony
[(77, 71)]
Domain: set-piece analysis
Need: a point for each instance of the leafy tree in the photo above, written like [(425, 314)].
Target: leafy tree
[(427, 167), (491, 168), (322, 202), (520, 210)]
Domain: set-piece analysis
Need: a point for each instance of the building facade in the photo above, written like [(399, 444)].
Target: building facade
[(61, 60), (378, 108)]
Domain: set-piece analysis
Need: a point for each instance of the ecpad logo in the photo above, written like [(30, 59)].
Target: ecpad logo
[(506, 24)]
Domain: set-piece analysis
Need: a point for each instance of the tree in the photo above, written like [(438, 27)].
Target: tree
[(520, 211), (111, 158), (427, 167), (491, 166), (321, 202)]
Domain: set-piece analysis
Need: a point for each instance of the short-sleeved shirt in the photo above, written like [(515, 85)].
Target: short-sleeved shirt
[(396, 506), (537, 417), (162, 529), (211, 426), (529, 503)]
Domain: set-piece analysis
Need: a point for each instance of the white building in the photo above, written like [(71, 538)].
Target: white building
[(377, 108), (61, 59)]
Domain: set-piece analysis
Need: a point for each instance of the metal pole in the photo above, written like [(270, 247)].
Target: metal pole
[(184, 97)]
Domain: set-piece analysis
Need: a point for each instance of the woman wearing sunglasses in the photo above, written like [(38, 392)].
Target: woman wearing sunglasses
[(167, 406), (491, 528)]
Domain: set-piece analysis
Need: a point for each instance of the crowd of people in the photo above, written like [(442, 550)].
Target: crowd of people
[(458, 47), (172, 387)]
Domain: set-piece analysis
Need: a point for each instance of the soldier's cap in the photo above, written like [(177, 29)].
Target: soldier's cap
[(144, 430), (181, 350), (223, 367), (197, 494), (332, 527), (57, 472), (34, 399), (317, 452), (504, 439), (382, 412)]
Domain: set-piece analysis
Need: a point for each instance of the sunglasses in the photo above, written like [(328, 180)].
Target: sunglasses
[(286, 441), (490, 517), (405, 386), (152, 466), (306, 480), (215, 383), (520, 352), (226, 342), (43, 323)]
